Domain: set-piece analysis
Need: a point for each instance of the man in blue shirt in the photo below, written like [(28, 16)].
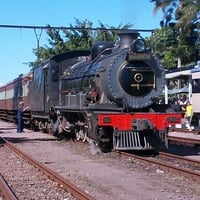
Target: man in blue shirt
[(20, 123)]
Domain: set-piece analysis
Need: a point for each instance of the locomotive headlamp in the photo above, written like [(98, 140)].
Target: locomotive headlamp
[(138, 46), (138, 77)]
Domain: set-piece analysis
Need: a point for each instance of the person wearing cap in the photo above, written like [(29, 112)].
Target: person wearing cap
[(20, 123)]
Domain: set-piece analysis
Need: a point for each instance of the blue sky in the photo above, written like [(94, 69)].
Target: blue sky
[(16, 45)]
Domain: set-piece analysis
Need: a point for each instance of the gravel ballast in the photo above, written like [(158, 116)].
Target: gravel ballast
[(104, 176)]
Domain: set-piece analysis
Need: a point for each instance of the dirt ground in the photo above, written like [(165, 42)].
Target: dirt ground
[(104, 176)]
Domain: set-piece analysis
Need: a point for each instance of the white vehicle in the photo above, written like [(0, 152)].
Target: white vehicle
[(196, 95)]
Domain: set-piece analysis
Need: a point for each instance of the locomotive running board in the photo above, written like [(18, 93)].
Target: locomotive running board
[(138, 140)]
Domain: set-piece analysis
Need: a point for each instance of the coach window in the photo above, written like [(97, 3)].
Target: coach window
[(55, 73), (20, 90), (196, 86)]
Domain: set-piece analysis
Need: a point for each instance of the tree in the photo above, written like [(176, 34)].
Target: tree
[(165, 40), (80, 37), (111, 35), (183, 17)]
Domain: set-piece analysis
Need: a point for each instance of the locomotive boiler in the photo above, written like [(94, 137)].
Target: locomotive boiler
[(107, 95)]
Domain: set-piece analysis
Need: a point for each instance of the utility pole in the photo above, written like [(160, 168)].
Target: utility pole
[(38, 36)]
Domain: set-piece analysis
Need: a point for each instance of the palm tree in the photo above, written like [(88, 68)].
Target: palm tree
[(183, 17)]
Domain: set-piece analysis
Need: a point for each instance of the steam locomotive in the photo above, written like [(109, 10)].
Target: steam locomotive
[(107, 95)]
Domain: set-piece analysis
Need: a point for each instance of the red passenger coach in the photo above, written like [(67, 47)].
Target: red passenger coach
[(11, 94)]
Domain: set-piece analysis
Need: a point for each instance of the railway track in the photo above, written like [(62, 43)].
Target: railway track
[(184, 136), (5, 191), (172, 156), (28, 145), (66, 185), (184, 130), (169, 167), (183, 140), (190, 170)]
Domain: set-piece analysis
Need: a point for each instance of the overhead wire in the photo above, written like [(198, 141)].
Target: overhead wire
[(68, 28)]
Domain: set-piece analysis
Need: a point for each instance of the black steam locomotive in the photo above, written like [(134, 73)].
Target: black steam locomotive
[(107, 95)]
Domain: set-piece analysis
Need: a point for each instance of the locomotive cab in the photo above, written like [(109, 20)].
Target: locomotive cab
[(45, 89)]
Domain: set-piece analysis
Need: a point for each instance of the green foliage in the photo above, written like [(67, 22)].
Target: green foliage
[(182, 17), (165, 40), (81, 36)]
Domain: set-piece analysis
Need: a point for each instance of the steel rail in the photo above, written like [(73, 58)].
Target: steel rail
[(183, 139), (164, 154), (6, 190), (164, 166), (70, 187), (184, 130), (195, 131)]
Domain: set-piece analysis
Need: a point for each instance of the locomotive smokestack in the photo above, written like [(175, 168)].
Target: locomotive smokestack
[(127, 37)]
